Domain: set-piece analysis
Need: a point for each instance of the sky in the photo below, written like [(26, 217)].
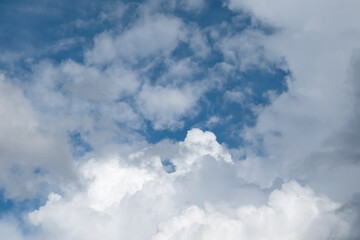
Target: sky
[(179, 120)]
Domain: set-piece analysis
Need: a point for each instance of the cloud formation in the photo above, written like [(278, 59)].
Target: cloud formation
[(183, 120), (319, 50), (119, 197)]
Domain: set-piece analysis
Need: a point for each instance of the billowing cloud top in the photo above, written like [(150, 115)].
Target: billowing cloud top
[(179, 120)]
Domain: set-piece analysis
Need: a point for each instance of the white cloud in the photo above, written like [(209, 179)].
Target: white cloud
[(83, 82), (91, 84), (294, 212), (112, 180), (150, 35), (245, 50), (165, 106), (119, 197), (197, 145), (212, 121), (86, 99)]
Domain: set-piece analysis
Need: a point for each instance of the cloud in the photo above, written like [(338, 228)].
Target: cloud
[(199, 43), (351, 211), (119, 196), (196, 145), (89, 100), (234, 96), (165, 106), (303, 15), (151, 35), (10, 230), (297, 125), (84, 82), (180, 71), (294, 212), (196, 5), (90, 83), (26, 146), (245, 50), (110, 78)]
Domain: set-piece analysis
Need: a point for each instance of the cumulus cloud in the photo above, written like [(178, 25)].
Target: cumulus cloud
[(118, 193), (196, 145), (120, 196), (294, 212)]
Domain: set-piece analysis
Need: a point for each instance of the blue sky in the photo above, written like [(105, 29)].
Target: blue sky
[(174, 115)]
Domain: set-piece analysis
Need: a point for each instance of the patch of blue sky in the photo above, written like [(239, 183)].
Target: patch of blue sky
[(5, 204), (79, 146), (182, 50), (214, 12), (57, 30), (14, 209), (168, 166), (17, 207)]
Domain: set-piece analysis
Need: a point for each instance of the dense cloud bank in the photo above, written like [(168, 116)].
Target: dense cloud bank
[(184, 120), (136, 198)]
